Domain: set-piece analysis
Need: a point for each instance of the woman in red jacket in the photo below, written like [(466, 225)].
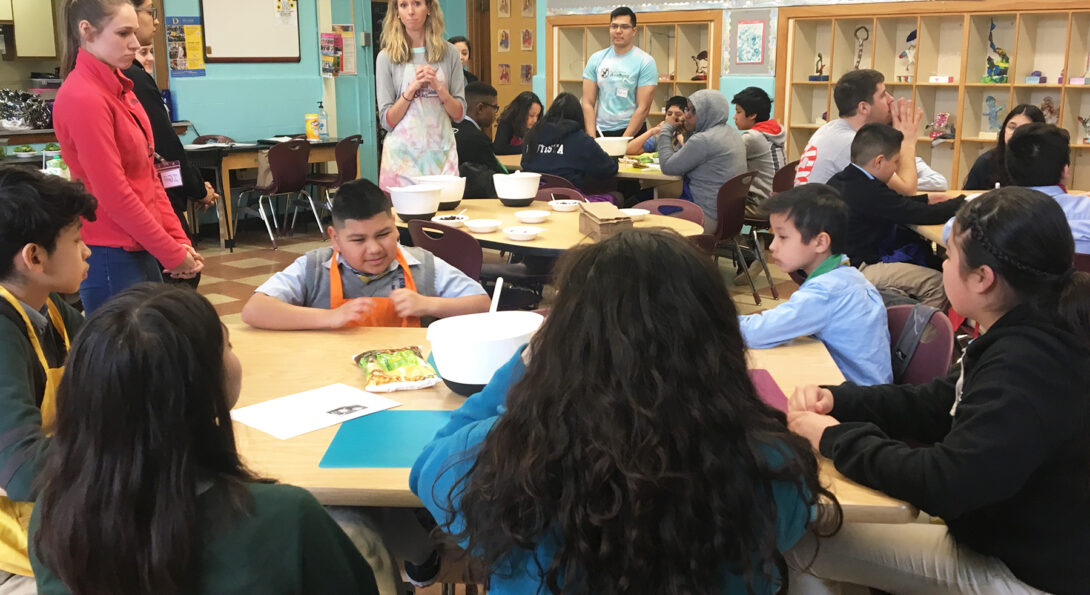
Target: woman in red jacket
[(106, 141)]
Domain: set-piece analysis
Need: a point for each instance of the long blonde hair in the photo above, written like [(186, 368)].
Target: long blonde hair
[(96, 12), (395, 40)]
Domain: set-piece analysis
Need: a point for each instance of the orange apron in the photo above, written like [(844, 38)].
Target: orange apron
[(15, 516), (384, 313)]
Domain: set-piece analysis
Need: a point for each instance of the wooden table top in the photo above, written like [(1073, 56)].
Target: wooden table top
[(561, 229), (279, 363), (651, 174)]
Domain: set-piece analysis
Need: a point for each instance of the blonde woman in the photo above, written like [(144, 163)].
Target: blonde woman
[(420, 89)]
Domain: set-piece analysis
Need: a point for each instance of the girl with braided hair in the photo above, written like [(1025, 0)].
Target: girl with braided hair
[(1005, 460)]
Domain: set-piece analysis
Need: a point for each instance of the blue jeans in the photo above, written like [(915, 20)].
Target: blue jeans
[(113, 270)]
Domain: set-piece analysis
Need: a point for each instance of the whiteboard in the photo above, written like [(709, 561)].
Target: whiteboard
[(250, 30)]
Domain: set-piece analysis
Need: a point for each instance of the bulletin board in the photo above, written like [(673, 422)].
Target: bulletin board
[(250, 30)]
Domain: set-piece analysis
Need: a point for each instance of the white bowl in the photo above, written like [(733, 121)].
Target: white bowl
[(519, 185), (531, 216), (522, 233), (564, 205), (453, 186), (469, 349), (614, 146), (483, 225), (636, 214), (51, 153), (415, 202), (451, 220)]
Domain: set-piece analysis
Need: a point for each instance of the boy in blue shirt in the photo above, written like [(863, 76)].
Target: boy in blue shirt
[(675, 115), (835, 303)]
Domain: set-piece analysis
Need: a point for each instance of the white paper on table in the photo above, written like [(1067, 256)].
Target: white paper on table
[(969, 197), (294, 415)]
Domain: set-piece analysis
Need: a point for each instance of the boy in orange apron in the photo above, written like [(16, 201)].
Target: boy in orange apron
[(41, 255), (364, 278)]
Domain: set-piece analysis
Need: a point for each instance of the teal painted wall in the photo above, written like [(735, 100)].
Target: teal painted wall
[(356, 94), (454, 13), (731, 84)]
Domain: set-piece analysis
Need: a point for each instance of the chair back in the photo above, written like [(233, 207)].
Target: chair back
[(288, 164), (558, 193), (674, 207), (347, 155), (730, 211), (705, 242), (459, 249), (1082, 262), (785, 178), (932, 356), (551, 181), (204, 139)]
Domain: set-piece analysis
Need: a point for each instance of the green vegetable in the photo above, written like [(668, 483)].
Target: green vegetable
[(52, 147), (23, 149)]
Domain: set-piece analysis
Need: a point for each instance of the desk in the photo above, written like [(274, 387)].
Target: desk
[(931, 233), (561, 229), (514, 162), (275, 364)]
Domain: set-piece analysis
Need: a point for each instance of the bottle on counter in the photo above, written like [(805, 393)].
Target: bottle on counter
[(57, 167), (323, 122)]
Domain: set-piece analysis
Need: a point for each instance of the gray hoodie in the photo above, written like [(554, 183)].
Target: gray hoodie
[(764, 154), (714, 153)]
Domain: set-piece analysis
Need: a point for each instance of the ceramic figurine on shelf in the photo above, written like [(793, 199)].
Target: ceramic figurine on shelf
[(1060, 80), (862, 34), (819, 69), (701, 61), (908, 58), (1085, 129), (1036, 78), (1048, 108), (998, 66), (942, 128), (991, 111)]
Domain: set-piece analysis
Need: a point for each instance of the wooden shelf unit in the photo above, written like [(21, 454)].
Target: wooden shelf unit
[(672, 39), (1049, 36)]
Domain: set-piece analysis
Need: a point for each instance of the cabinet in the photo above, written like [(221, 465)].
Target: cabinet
[(674, 39), (5, 10), (953, 39), (33, 28)]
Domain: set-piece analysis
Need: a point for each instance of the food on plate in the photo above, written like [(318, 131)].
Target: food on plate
[(403, 368), (52, 147), (23, 149)]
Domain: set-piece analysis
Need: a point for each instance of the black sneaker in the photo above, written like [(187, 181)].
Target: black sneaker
[(423, 575)]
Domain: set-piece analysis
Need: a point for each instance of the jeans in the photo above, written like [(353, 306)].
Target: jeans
[(113, 270)]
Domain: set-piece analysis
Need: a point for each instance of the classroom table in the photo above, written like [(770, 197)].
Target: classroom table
[(244, 156), (561, 228), (279, 363), (649, 177)]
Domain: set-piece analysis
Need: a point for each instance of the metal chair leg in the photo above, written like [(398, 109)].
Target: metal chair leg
[(745, 271), (261, 212), (314, 210), (272, 210), (764, 264)]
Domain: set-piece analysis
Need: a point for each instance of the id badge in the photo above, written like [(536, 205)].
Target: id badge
[(622, 92), (170, 173)]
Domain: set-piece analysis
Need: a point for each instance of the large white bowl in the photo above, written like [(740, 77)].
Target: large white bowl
[(454, 187), (469, 349), (531, 216), (636, 214), (416, 202), (519, 185), (483, 225), (614, 146)]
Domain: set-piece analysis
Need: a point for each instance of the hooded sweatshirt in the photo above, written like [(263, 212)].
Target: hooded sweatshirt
[(714, 153), (564, 149), (764, 155)]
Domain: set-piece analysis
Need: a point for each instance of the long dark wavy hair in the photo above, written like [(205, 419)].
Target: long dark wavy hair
[(636, 442), (999, 153), (142, 417), (565, 107), (518, 110)]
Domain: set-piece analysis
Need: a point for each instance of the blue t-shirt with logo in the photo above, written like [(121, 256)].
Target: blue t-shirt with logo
[(618, 77)]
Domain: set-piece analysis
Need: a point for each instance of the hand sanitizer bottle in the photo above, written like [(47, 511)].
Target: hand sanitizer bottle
[(323, 122)]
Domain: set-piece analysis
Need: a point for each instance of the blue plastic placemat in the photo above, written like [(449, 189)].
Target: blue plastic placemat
[(387, 439)]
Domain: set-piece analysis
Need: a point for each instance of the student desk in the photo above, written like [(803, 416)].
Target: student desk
[(649, 177), (561, 228), (931, 233), (279, 363)]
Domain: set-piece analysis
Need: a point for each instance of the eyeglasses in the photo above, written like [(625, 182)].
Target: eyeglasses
[(153, 11), (491, 105), (619, 27)]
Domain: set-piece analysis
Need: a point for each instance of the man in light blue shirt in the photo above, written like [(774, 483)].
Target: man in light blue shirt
[(836, 303), (619, 81)]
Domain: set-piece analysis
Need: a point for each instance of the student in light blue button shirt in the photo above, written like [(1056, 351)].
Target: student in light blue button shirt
[(619, 81), (836, 303)]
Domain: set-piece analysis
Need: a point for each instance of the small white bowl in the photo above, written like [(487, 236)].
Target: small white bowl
[(614, 146), (483, 225), (563, 206), (51, 153), (531, 216), (451, 220), (636, 214), (522, 233)]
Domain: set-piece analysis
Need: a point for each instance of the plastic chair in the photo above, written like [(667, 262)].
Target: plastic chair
[(704, 242), (288, 166), (1082, 262), (551, 181), (936, 348), (785, 178), (346, 154), (456, 247), (558, 193), (674, 207), (730, 214)]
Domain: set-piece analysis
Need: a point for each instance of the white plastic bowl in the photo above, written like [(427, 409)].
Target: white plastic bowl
[(415, 202), (636, 214), (469, 349), (531, 216), (451, 220), (519, 185), (614, 146), (564, 206), (454, 187), (483, 225), (522, 233)]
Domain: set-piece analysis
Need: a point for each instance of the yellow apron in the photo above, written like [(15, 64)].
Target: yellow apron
[(15, 516)]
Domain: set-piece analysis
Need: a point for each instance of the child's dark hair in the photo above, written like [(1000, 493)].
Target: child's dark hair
[(643, 334), (359, 199), (999, 153), (855, 86), (754, 100), (677, 101), (462, 39), (565, 107), (812, 209), (118, 506), (517, 111), (1037, 155), (873, 140), (623, 11), (479, 92), (34, 208), (1024, 237)]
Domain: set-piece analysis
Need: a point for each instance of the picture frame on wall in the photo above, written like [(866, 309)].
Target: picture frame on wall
[(504, 71), (503, 40), (526, 74), (528, 9), (503, 10), (749, 42), (527, 39)]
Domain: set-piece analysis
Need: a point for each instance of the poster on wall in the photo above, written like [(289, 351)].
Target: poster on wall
[(185, 46), (750, 42), (527, 39), (286, 11), (329, 48), (504, 40), (528, 9), (526, 74), (504, 9), (504, 74), (348, 47)]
